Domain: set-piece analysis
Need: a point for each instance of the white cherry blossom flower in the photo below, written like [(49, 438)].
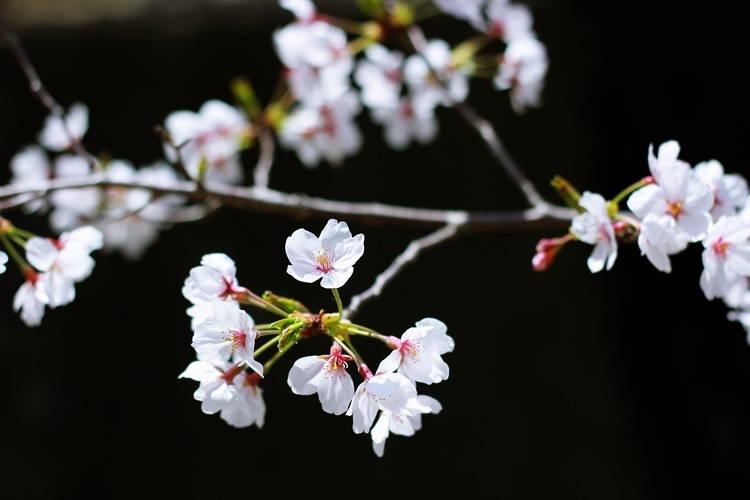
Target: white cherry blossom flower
[(31, 298), (31, 165), (303, 10), (229, 334), (666, 157), (215, 134), (385, 391), (213, 280), (522, 70), (404, 122), (467, 10), (676, 207), (73, 207), (425, 90), (60, 134), (218, 389), (730, 190), (402, 425), (330, 256), (379, 77), (3, 261), (595, 228), (726, 255), (64, 261), (658, 255), (325, 375), (255, 413), (737, 295), (417, 354), (506, 20)]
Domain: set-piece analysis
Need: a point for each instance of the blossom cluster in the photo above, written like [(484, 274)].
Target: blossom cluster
[(401, 92), (674, 206), (224, 338)]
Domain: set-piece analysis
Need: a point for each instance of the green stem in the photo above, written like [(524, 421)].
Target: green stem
[(266, 346), (14, 253), (617, 199), (338, 302), (268, 364), (19, 241), (23, 234), (346, 346), (251, 299)]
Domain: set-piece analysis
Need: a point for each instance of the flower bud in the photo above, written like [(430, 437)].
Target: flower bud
[(546, 250)]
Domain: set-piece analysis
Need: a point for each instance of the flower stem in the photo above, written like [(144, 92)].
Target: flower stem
[(22, 233), (266, 346), (338, 302), (14, 253), (633, 187), (268, 364)]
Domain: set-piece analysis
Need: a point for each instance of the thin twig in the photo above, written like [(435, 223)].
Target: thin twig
[(265, 158), (482, 127), (40, 91), (409, 255), (300, 206)]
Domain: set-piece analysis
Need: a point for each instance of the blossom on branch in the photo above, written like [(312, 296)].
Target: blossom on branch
[(325, 375), (522, 70), (392, 392), (595, 228), (30, 299), (726, 256), (213, 280), (417, 354), (60, 134), (31, 165), (730, 190), (330, 256), (401, 424), (219, 390)]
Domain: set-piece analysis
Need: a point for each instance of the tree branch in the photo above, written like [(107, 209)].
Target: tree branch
[(301, 206), (409, 255)]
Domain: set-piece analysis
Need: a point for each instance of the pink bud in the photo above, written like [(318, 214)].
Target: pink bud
[(546, 250)]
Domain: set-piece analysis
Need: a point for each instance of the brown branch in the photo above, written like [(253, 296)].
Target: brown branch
[(40, 91), (406, 257), (300, 206)]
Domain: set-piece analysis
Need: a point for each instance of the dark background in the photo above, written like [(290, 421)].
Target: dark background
[(624, 384)]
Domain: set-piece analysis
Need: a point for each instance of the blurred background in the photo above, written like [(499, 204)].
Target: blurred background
[(624, 384)]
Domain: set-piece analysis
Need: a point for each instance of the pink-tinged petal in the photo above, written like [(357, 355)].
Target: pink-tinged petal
[(305, 274), (302, 247), (668, 152), (336, 278), (229, 315), (699, 197), (674, 182), (253, 364), (302, 377), (362, 409), (41, 253), (594, 203), (336, 391), (391, 362), (75, 265), (437, 338), (334, 233), (209, 341), (85, 239), (61, 290), (657, 256), (648, 199), (739, 260), (220, 262)]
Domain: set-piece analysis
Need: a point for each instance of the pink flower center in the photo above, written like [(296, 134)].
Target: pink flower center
[(411, 349), (337, 361), (324, 260), (237, 340), (720, 248)]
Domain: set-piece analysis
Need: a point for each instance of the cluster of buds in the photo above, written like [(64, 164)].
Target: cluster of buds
[(227, 365), (674, 206)]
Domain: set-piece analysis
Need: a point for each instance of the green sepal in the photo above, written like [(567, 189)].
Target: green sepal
[(292, 333), (245, 94), (373, 8), (567, 192), (403, 14), (284, 303)]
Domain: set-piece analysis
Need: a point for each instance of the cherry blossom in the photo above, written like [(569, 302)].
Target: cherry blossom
[(666, 157), (64, 261), (426, 91), (522, 70), (238, 415), (73, 207), (3, 261), (726, 255), (379, 76), (218, 389), (392, 392), (404, 122), (507, 20), (330, 256), (417, 354), (28, 166), (213, 280), (468, 10), (228, 334), (303, 10), (595, 228), (658, 255), (30, 299), (325, 375), (403, 425), (676, 207), (730, 190), (60, 134), (214, 135)]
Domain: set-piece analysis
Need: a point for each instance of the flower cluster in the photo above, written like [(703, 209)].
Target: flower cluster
[(225, 343), (130, 219), (674, 206), (401, 92)]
